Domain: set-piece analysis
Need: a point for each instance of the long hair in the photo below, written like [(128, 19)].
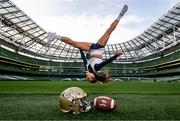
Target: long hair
[(103, 77)]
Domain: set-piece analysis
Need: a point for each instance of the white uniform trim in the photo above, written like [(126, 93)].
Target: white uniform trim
[(94, 61), (99, 51)]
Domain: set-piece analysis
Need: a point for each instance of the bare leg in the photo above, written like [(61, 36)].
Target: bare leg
[(103, 40), (86, 45), (81, 45)]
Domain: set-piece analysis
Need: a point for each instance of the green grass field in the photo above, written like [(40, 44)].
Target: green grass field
[(38, 100)]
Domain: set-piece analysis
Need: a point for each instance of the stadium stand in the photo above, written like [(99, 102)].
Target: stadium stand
[(23, 65), (25, 54)]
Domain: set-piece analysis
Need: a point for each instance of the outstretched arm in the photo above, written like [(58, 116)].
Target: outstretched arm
[(101, 65)]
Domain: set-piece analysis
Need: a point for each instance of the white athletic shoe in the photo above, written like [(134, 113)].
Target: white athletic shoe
[(123, 11), (51, 37)]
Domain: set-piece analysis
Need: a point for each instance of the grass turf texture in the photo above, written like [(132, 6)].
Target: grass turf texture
[(138, 101), (55, 87)]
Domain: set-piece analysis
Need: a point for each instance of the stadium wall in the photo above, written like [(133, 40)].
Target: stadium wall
[(12, 63)]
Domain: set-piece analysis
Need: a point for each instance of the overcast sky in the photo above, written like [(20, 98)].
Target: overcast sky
[(87, 20)]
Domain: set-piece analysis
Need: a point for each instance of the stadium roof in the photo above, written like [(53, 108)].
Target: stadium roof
[(20, 33)]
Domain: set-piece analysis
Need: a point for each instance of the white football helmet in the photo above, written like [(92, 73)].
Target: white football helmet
[(73, 100)]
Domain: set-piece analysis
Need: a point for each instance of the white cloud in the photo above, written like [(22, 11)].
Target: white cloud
[(90, 28), (70, 0), (133, 18), (81, 27)]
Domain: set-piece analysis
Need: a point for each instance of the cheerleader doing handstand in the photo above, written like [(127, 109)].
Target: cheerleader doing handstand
[(93, 62)]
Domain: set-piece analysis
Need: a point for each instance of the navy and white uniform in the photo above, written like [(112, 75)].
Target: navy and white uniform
[(95, 64)]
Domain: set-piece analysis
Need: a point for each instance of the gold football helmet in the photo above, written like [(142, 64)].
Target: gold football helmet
[(72, 100)]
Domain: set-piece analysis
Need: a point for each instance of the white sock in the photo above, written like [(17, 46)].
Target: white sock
[(123, 11), (119, 17), (58, 37)]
